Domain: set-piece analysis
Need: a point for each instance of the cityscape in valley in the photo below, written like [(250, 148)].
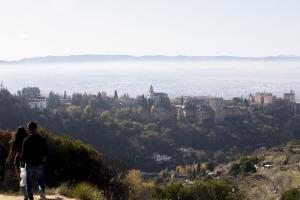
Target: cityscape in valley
[(169, 141), (191, 109)]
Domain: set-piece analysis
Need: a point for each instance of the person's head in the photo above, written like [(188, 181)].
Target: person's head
[(18, 139), (32, 127), (21, 133)]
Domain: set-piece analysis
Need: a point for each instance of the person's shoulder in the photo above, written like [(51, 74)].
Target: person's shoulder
[(28, 138), (41, 136)]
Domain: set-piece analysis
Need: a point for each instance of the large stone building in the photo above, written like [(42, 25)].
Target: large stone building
[(163, 114), (217, 104), (161, 108), (235, 111), (289, 97), (156, 97), (298, 107), (261, 99), (264, 99), (197, 116), (198, 109), (290, 100)]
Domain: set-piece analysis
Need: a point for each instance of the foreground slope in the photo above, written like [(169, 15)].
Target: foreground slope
[(69, 162), (277, 170)]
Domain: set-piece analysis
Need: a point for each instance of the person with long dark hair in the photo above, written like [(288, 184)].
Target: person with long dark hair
[(3, 155), (15, 153)]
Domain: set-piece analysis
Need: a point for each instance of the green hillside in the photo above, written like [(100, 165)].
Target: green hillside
[(70, 162)]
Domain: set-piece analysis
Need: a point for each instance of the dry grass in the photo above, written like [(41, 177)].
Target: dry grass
[(261, 185), (83, 191)]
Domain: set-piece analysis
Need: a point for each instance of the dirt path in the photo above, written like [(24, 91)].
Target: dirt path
[(49, 197)]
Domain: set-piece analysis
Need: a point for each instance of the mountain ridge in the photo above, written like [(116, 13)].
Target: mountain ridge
[(146, 58)]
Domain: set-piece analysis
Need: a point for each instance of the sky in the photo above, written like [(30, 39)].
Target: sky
[(30, 28)]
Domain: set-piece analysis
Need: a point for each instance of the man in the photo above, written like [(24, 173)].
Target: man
[(34, 153)]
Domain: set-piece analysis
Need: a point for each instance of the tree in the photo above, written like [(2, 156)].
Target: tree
[(30, 92), (234, 169), (191, 173), (85, 100), (158, 193), (65, 94), (115, 94), (53, 100), (136, 186), (219, 156), (247, 165), (76, 99), (210, 165), (142, 101), (88, 110), (105, 116)]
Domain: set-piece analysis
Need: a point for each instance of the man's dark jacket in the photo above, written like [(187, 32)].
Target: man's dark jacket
[(34, 150)]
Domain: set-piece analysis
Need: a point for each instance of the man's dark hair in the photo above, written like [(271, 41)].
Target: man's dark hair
[(32, 126)]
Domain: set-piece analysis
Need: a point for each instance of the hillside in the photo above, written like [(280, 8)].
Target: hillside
[(277, 169), (70, 165)]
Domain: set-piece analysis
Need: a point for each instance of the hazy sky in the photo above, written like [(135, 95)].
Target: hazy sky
[(139, 27)]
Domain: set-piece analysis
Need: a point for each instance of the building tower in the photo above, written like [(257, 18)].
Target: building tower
[(151, 91), (290, 97)]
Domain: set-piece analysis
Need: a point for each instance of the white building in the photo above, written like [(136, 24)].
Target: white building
[(40, 104), (160, 158)]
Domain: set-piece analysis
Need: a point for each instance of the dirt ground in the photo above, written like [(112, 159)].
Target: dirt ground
[(49, 197)]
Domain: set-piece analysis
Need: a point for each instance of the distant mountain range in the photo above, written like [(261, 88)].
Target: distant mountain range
[(150, 58)]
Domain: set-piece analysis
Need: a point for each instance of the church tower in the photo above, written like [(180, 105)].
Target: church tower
[(151, 91)]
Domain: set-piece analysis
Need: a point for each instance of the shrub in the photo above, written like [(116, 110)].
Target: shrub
[(235, 169), (8, 177), (219, 156), (210, 165), (247, 165), (292, 194), (84, 191), (218, 189)]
